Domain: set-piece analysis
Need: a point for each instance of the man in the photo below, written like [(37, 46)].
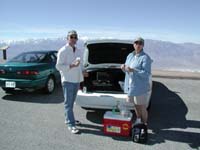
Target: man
[(69, 64)]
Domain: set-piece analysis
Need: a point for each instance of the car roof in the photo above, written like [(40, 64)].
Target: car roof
[(95, 41)]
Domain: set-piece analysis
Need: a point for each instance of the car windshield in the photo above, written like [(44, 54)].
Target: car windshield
[(30, 57)]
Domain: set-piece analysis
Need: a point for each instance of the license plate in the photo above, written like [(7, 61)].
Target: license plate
[(10, 84)]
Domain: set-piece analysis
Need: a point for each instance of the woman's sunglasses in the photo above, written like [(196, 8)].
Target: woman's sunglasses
[(138, 43), (74, 37)]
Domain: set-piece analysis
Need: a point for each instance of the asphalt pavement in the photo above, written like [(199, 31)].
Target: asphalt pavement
[(35, 121)]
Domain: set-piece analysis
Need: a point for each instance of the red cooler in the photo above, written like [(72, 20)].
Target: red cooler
[(116, 124)]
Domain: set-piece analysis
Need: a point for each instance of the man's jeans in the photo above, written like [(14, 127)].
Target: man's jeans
[(70, 92)]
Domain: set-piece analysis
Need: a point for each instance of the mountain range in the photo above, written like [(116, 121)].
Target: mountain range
[(165, 55)]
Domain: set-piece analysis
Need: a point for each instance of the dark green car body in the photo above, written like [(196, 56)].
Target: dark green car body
[(30, 75)]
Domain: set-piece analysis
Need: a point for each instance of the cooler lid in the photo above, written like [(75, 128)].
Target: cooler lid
[(117, 116)]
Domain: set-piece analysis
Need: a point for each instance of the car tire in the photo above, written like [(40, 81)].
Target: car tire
[(8, 90), (50, 85)]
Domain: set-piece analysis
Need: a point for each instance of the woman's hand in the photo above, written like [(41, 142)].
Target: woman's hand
[(123, 67), (128, 69)]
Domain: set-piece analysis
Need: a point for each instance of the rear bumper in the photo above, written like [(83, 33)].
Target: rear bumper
[(103, 100), (24, 83), (98, 100)]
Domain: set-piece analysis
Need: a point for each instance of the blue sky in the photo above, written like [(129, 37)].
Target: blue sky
[(170, 20)]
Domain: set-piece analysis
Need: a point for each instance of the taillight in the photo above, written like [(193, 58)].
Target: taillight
[(28, 72), (2, 71)]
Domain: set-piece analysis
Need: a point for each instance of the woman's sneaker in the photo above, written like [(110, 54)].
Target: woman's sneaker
[(73, 130)]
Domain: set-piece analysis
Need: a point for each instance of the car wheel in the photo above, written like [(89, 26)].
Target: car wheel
[(8, 90), (50, 85)]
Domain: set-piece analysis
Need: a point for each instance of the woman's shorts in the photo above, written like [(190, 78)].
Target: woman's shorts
[(138, 100)]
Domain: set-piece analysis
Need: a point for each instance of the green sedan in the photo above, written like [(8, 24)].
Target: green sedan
[(30, 70)]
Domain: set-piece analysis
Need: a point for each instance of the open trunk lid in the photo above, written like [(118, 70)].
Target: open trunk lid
[(107, 52)]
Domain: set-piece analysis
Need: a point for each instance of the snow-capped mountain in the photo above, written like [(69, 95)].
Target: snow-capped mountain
[(165, 55)]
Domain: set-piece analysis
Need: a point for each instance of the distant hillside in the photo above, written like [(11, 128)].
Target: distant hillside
[(166, 55)]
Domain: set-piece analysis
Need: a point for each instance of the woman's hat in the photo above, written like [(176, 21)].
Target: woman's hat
[(139, 39)]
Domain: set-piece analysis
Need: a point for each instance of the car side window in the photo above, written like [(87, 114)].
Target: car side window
[(47, 59), (50, 58), (53, 58), (55, 53), (30, 58)]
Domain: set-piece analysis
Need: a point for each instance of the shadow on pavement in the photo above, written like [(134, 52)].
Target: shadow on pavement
[(168, 112), (96, 127), (37, 96), (167, 119)]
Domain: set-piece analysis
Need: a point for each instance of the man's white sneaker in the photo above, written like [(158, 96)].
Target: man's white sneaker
[(73, 130)]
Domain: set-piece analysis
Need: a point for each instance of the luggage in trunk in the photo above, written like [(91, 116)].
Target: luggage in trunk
[(104, 80)]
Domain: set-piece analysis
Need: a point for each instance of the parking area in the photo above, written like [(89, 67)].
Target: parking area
[(35, 121)]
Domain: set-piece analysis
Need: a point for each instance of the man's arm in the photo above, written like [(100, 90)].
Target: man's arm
[(60, 64)]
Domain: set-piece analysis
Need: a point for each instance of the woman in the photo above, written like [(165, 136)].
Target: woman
[(138, 72)]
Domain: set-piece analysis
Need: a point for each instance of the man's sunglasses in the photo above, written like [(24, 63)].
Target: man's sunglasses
[(138, 43), (74, 37)]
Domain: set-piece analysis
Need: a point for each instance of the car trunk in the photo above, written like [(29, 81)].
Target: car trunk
[(104, 80), (105, 74)]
